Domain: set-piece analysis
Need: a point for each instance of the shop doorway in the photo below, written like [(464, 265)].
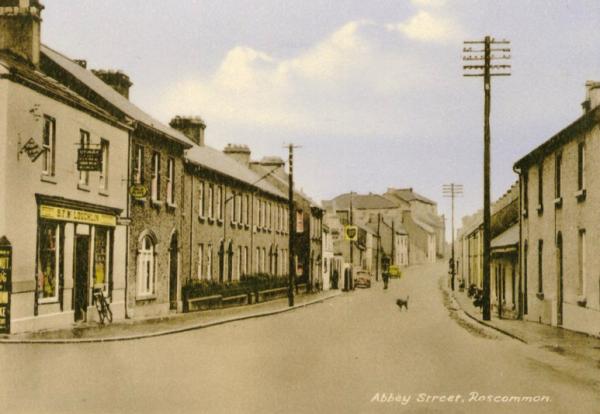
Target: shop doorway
[(173, 270), (82, 268)]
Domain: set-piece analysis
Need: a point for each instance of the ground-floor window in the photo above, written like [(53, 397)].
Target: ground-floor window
[(50, 260), (146, 266), (103, 242)]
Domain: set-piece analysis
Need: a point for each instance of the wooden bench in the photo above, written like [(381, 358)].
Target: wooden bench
[(237, 300), (270, 294), (204, 303)]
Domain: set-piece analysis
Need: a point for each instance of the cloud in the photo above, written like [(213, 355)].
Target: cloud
[(429, 28)]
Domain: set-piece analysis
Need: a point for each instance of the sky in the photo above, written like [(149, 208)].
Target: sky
[(371, 91)]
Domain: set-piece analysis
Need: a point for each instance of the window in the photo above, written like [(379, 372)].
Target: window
[(201, 199), (263, 261), (245, 261), (137, 169), (104, 171), (540, 264), (268, 213), (146, 267), (246, 208), (50, 261), (219, 202), (238, 208), (103, 259), (209, 201), (525, 192), (200, 261), (259, 209), (540, 187), (299, 222), (155, 176), (171, 181), (581, 285), (257, 265), (240, 269), (209, 254), (580, 166), (84, 142), (49, 146), (557, 175)]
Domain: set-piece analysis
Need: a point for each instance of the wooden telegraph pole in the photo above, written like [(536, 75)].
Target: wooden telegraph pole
[(292, 232), (486, 70), (452, 190)]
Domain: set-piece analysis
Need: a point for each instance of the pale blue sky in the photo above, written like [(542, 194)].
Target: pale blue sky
[(372, 90)]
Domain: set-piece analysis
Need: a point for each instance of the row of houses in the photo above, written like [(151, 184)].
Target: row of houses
[(544, 264), (96, 193), (399, 224)]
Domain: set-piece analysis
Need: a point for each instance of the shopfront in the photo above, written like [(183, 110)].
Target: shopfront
[(75, 254)]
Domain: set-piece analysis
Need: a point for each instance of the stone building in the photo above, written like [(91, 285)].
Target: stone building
[(560, 198), (67, 227)]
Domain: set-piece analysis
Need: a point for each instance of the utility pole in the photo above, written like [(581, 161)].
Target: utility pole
[(487, 70), (452, 190), (292, 233), (378, 247), (351, 277)]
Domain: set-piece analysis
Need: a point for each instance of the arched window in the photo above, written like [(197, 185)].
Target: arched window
[(145, 269)]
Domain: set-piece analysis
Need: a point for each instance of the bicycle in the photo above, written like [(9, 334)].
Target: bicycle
[(104, 312)]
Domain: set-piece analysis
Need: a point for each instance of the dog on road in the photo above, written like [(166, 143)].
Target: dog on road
[(402, 302)]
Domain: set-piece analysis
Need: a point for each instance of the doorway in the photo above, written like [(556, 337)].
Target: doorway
[(82, 269), (559, 290), (173, 270)]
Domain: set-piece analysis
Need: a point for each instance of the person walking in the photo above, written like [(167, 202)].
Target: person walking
[(385, 274)]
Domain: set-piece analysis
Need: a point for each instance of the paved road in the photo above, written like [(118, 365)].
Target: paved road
[(343, 356)]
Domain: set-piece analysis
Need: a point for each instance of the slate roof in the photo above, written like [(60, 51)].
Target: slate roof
[(123, 104), (362, 201), (216, 160), (407, 194), (510, 237)]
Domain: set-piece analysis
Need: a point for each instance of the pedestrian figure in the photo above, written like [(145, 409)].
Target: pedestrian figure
[(386, 278), (385, 275), (335, 279)]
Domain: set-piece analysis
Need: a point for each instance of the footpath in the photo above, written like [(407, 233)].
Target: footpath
[(575, 345), (130, 329)]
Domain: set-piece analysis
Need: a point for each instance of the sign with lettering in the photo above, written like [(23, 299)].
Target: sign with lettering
[(77, 216), (89, 159), (138, 191), (32, 149), (351, 233), (5, 281)]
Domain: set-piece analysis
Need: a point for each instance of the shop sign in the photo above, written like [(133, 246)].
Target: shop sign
[(395, 271), (138, 191), (351, 233), (5, 279), (32, 149), (89, 159), (77, 216)]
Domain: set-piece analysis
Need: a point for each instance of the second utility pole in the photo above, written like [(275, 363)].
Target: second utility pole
[(292, 232)]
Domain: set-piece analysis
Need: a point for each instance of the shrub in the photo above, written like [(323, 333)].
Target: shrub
[(247, 284)]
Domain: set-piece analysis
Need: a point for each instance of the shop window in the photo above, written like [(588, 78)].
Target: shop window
[(50, 261), (49, 145), (103, 259), (146, 256), (104, 171)]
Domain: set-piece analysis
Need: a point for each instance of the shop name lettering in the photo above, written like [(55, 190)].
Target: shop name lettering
[(32, 149), (77, 215)]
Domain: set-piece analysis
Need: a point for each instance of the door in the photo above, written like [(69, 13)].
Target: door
[(559, 290), (173, 270), (82, 269)]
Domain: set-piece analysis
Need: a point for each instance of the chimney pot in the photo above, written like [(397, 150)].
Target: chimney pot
[(191, 126), (240, 153), (20, 22), (592, 96), (116, 79)]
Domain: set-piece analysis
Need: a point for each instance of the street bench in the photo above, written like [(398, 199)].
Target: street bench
[(204, 303), (270, 294), (237, 300)]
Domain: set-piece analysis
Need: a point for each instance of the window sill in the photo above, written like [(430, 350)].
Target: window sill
[(104, 193), (540, 209), (143, 297), (157, 204), (48, 301), (48, 179), (580, 195), (201, 219), (540, 295), (172, 206), (83, 187), (581, 301), (240, 225), (220, 222), (211, 220), (246, 226), (558, 202)]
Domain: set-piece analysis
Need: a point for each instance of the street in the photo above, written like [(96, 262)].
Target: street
[(346, 355)]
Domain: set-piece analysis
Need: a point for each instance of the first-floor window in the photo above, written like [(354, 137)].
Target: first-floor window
[(146, 266), (103, 259), (50, 260)]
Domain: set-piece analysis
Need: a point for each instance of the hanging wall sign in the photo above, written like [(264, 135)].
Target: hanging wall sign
[(89, 159), (5, 281), (138, 191), (351, 233), (32, 149)]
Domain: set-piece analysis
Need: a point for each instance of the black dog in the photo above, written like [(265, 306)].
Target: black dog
[(402, 302)]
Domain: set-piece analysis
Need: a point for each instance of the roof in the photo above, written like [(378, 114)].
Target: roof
[(113, 97), (34, 78), (215, 160), (407, 194), (428, 228), (510, 237), (297, 192), (362, 201), (579, 126)]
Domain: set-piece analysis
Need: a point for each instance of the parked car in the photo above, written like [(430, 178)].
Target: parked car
[(362, 279)]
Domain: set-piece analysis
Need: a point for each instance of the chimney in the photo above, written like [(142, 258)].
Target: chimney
[(275, 164), (20, 24), (115, 79), (592, 96), (81, 62), (191, 126), (241, 153)]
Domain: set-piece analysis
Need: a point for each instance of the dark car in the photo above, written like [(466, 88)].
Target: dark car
[(362, 279)]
